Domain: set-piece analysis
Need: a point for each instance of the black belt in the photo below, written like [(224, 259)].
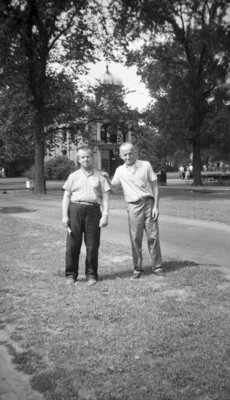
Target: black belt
[(141, 199)]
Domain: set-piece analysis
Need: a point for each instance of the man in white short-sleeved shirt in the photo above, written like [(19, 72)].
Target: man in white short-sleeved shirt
[(86, 192), (140, 188)]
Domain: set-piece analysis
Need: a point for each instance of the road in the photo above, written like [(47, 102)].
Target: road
[(182, 239)]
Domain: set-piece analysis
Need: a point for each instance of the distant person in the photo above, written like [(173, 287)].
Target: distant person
[(2, 172), (181, 172), (86, 192), (189, 173), (139, 184), (190, 168)]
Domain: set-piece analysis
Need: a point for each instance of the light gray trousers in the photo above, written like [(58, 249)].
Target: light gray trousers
[(140, 219)]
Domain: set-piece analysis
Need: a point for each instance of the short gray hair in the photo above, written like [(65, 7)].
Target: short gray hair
[(124, 145)]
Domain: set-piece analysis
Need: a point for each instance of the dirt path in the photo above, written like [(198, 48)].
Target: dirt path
[(14, 385)]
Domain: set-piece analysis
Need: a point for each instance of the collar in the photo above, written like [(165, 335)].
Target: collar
[(88, 173), (131, 167)]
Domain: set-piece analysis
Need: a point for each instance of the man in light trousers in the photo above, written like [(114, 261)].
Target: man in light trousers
[(140, 188)]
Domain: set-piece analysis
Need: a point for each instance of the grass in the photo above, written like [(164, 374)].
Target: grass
[(196, 204), (155, 339)]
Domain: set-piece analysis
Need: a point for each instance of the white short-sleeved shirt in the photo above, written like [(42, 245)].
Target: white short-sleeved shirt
[(86, 187), (135, 180)]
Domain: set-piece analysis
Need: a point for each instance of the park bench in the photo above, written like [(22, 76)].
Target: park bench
[(215, 178)]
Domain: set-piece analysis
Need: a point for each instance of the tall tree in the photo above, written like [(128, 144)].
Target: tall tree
[(16, 139), (63, 107), (36, 33), (185, 50)]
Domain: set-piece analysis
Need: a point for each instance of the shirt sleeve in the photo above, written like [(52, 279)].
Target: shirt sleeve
[(105, 187), (68, 185), (151, 174), (116, 179)]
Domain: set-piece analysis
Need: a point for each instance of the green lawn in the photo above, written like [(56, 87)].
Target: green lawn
[(160, 338)]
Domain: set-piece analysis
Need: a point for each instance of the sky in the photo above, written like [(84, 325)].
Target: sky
[(139, 98)]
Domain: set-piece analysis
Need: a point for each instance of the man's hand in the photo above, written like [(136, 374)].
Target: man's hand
[(155, 213), (65, 221), (105, 174), (103, 221)]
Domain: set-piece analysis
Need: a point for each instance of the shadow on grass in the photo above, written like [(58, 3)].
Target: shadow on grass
[(174, 265), (168, 266), (118, 273)]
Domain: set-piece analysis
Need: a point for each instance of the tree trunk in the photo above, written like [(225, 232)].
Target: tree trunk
[(196, 162), (39, 178)]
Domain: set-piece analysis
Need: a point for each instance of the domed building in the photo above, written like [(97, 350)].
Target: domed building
[(111, 126), (108, 126), (109, 79)]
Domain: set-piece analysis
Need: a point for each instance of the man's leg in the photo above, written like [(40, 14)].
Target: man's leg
[(74, 240), (92, 241), (136, 228), (152, 233)]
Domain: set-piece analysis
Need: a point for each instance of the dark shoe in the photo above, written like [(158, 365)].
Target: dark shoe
[(136, 275), (158, 272), (70, 280)]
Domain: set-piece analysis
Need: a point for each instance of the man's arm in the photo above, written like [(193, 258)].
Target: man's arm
[(105, 209), (155, 189), (114, 183), (65, 209)]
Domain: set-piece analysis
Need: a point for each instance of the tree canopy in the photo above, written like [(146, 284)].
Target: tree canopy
[(36, 37), (183, 53)]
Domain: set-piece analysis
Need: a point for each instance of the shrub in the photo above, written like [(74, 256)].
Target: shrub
[(58, 168)]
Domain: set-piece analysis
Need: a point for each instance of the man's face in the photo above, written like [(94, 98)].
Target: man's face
[(85, 159), (128, 156)]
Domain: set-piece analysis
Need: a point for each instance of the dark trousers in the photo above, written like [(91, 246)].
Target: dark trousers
[(84, 221)]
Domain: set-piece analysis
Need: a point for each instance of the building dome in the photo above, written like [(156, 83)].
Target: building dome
[(110, 79)]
